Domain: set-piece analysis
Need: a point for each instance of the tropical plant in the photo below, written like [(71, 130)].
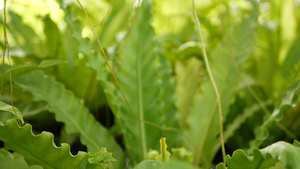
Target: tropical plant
[(150, 84)]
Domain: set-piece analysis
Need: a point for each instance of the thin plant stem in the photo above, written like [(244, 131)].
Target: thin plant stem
[(211, 77), (256, 97), (108, 10), (259, 101), (117, 83), (6, 47)]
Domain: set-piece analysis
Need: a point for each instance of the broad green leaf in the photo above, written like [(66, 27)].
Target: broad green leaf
[(148, 164), (168, 99), (142, 85), (69, 110), (292, 62), (265, 158), (282, 12), (17, 71), (238, 121), (173, 164), (22, 69), (188, 80), (14, 160), (25, 34), (75, 72), (52, 34), (289, 99), (138, 77), (232, 52), (240, 160), (50, 62), (164, 155), (117, 19), (285, 152), (5, 116), (39, 149), (33, 108), (13, 110), (296, 143), (274, 39)]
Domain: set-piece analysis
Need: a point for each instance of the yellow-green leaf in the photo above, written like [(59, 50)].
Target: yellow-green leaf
[(164, 153)]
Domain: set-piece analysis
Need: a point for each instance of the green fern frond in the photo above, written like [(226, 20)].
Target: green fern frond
[(203, 127), (140, 82), (39, 149), (70, 110), (289, 99)]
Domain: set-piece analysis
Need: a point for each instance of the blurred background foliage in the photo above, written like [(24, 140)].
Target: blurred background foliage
[(49, 29)]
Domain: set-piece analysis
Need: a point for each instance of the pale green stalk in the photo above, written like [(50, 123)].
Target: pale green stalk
[(211, 77)]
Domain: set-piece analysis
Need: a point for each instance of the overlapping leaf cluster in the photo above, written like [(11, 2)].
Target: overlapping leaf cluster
[(155, 86)]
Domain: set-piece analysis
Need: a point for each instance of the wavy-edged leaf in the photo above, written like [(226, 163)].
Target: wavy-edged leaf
[(39, 149), (281, 151), (138, 77), (289, 99), (13, 110), (14, 160), (287, 153), (69, 110), (240, 160), (203, 126), (164, 155), (168, 99), (240, 119)]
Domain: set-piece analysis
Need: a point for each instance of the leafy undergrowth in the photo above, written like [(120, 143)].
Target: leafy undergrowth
[(145, 101), (41, 150), (278, 154), (69, 110)]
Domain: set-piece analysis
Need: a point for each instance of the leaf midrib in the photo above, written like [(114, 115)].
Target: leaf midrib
[(140, 95), (206, 127), (58, 106)]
